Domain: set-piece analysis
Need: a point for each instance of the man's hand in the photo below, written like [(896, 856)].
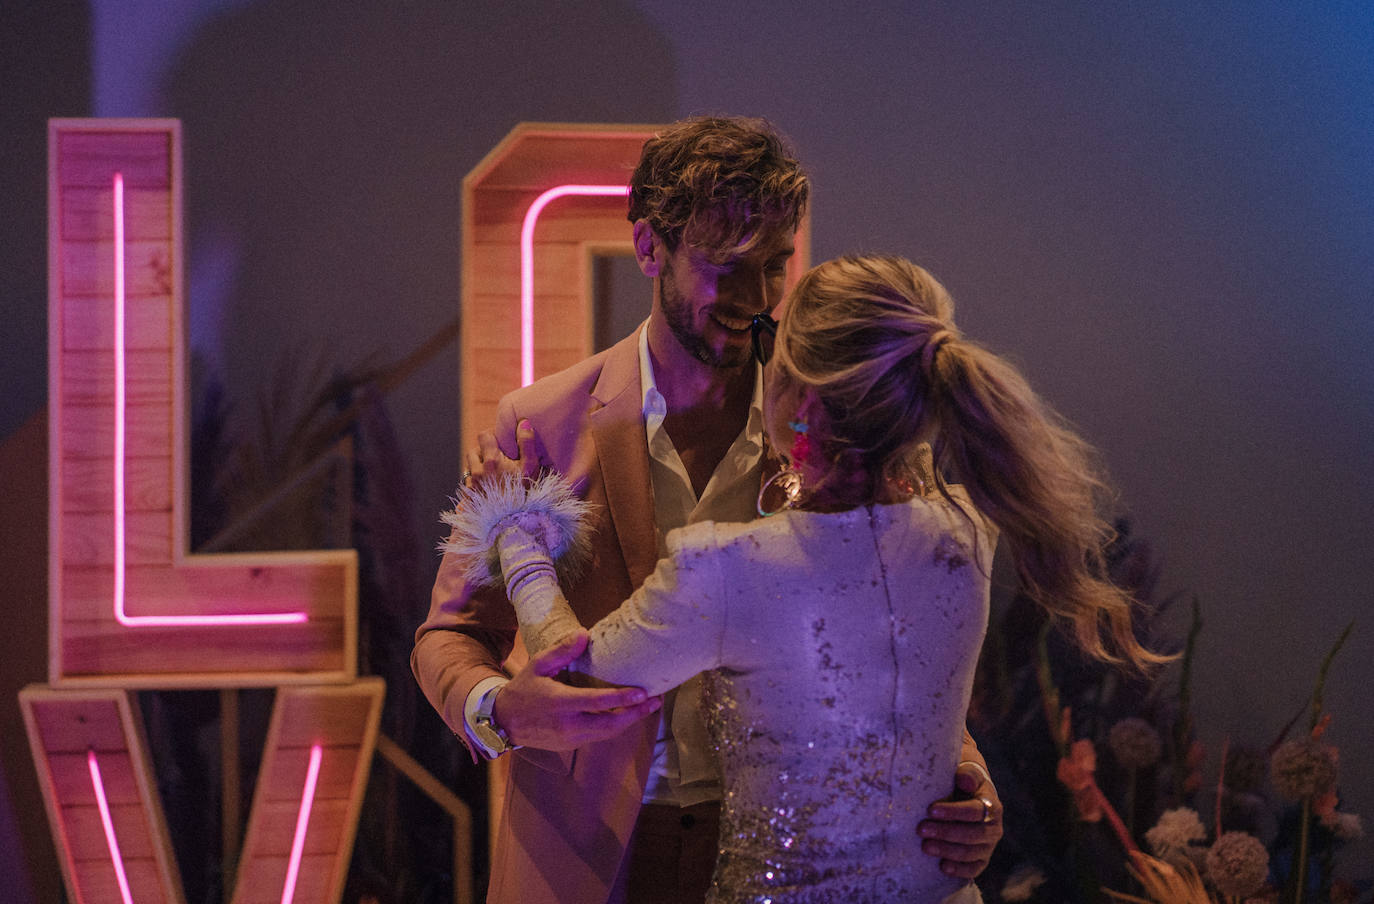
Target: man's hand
[(537, 710), (488, 463), (956, 832)]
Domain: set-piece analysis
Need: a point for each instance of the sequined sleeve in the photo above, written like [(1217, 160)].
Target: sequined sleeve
[(672, 627)]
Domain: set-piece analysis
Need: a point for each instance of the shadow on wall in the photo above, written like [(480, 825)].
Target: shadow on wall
[(45, 71), (45, 68), (325, 148)]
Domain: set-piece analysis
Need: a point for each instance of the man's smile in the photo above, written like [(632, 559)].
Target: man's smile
[(735, 324)]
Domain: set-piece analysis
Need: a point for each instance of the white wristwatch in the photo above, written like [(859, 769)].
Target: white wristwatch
[(485, 727)]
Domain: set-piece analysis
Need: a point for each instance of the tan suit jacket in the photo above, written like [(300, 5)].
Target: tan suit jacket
[(566, 819)]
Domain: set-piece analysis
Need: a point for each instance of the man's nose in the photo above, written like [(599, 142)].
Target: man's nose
[(749, 289)]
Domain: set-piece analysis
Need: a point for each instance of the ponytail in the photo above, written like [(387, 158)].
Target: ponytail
[(874, 337), (1030, 474)]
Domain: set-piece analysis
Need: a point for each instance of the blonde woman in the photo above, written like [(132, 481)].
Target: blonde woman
[(838, 638)]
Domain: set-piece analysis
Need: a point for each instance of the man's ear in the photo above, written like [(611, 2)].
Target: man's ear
[(649, 249)]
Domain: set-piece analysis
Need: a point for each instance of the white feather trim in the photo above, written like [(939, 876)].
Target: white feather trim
[(547, 509)]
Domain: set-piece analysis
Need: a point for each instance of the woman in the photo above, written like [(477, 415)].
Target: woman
[(838, 639)]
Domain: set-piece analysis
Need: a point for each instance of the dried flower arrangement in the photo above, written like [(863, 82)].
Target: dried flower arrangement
[(1102, 777)]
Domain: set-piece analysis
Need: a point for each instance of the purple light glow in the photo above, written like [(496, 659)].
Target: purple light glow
[(527, 263)]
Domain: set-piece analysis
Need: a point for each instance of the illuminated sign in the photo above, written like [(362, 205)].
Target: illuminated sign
[(130, 606), (527, 262)]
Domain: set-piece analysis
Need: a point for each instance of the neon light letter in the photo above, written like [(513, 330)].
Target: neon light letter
[(108, 823), (293, 868), (133, 621), (527, 263)]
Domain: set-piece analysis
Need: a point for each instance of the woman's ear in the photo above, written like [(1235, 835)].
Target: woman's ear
[(649, 249)]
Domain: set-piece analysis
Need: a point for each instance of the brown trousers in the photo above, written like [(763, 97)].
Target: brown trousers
[(672, 854)]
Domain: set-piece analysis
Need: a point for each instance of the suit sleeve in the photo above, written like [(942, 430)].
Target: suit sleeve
[(674, 625), (469, 631)]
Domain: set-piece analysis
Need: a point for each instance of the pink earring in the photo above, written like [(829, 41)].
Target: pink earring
[(801, 442), (789, 479)]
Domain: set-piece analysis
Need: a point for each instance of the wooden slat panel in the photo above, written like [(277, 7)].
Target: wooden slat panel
[(487, 375), (86, 834), (78, 725), (88, 432), (561, 326), (90, 158), (88, 269), (552, 360), (494, 268), (492, 320), (262, 881), (495, 369), (212, 657), (499, 369), (201, 585), (330, 719), (581, 154), (64, 727), (88, 324), (495, 322), (99, 885), (88, 379), (277, 824), (88, 485), (343, 719), (88, 213), (555, 225), (84, 155), (499, 214), (71, 778), (284, 780), (88, 539)]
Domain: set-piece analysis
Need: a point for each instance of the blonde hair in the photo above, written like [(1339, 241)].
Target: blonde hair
[(874, 337)]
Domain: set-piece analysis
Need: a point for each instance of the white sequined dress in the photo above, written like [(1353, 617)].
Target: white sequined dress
[(838, 652)]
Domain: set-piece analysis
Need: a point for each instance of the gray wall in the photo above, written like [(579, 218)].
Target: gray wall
[(1164, 212)]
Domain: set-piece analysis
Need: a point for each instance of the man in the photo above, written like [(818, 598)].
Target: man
[(603, 804)]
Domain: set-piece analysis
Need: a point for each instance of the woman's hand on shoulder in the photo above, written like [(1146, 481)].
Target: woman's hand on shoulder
[(487, 464)]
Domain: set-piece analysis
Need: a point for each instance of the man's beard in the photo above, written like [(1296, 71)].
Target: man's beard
[(679, 316)]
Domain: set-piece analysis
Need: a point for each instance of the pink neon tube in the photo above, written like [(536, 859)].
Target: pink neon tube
[(121, 377), (120, 454), (293, 867), (105, 821), (527, 263)]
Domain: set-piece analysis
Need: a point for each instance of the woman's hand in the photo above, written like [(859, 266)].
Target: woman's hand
[(487, 464)]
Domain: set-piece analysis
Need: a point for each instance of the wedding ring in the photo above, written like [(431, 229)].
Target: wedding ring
[(465, 477), (987, 808)]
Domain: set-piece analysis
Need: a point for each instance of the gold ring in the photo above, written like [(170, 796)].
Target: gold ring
[(465, 477), (987, 808)]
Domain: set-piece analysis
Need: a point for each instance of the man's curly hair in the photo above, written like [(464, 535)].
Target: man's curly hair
[(722, 184)]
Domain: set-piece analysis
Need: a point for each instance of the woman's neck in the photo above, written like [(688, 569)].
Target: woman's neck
[(841, 493)]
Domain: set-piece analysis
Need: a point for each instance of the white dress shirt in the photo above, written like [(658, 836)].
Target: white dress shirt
[(683, 770)]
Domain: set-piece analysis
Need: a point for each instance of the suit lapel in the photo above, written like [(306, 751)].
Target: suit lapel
[(622, 451)]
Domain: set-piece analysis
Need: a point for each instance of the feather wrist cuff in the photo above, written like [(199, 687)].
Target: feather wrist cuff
[(546, 509)]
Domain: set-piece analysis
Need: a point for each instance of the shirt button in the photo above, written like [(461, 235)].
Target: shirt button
[(688, 820)]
